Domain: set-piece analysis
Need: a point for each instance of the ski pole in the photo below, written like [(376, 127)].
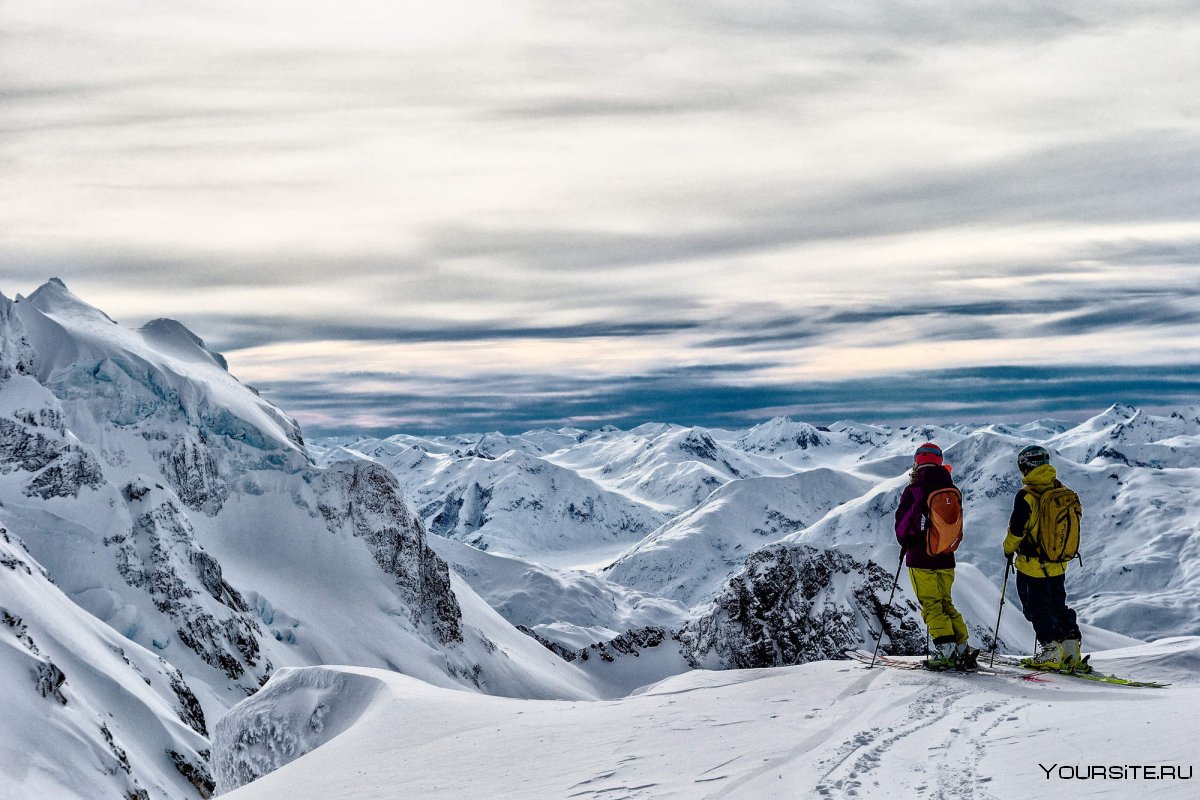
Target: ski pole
[(996, 637), (887, 608)]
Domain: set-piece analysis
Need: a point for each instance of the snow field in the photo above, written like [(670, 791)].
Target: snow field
[(824, 729)]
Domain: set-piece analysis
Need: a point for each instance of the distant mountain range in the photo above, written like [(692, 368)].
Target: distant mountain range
[(592, 498)]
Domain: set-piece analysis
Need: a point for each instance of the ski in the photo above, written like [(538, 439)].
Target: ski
[(1095, 677), (889, 661)]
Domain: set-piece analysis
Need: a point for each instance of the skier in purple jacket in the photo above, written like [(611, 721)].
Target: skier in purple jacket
[(932, 576)]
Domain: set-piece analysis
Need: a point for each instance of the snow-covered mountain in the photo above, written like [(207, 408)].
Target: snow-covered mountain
[(691, 557), (85, 708), (575, 608), (519, 504), (170, 512)]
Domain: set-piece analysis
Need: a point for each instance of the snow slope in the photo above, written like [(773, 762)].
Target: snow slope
[(86, 711), (572, 607), (690, 557), (824, 729)]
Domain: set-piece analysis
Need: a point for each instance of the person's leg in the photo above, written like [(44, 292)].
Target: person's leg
[(1038, 603), (965, 656), (946, 587), (1065, 622), (1036, 607), (927, 586)]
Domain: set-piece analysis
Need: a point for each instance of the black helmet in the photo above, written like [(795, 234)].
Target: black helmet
[(1032, 456)]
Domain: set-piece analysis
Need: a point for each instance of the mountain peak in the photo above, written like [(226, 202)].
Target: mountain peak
[(53, 298), (173, 336), (1120, 411)]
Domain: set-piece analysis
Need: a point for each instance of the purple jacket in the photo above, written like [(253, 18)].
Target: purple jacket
[(911, 518)]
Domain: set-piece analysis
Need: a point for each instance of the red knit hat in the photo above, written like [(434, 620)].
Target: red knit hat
[(928, 453)]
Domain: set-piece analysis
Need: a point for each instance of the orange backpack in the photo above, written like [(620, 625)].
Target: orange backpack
[(945, 528)]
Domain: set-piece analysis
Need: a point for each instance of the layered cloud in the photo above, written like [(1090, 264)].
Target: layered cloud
[(493, 214)]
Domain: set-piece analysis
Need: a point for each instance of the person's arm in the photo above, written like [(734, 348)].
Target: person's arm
[(1017, 523), (909, 512)]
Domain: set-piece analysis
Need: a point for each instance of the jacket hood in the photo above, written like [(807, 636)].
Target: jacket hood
[(1040, 477)]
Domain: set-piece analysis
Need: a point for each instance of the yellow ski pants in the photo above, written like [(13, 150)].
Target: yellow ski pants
[(932, 587)]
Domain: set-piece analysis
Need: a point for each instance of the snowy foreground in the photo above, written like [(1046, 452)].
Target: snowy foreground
[(824, 729)]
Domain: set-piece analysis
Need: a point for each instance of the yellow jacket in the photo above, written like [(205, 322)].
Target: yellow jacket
[(1022, 525)]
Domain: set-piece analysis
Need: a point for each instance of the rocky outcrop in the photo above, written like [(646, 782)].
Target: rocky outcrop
[(189, 711), (792, 604), (48, 678), (563, 652), (700, 445), (366, 500), (160, 555), (191, 469), (195, 771), (37, 442)]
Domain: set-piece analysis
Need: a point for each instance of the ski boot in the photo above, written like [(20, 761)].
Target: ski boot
[(1072, 659), (966, 658), (1048, 657), (942, 658)]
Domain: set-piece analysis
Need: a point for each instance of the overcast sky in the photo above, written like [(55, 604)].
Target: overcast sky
[(475, 215)]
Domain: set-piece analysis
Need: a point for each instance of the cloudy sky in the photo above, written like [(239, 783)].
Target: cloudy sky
[(474, 215)]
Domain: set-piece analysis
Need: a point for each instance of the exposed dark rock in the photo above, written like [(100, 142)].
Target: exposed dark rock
[(446, 519), (808, 437), (118, 752), (700, 445), (24, 449), (793, 604), (367, 499), (1112, 454), (20, 630), (209, 572), (50, 680), (69, 474), (192, 471), (565, 653), (197, 774), (584, 511), (63, 467), (135, 491), (629, 643), (15, 564), (160, 556)]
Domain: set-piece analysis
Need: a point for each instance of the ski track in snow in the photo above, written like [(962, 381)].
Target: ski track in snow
[(959, 718)]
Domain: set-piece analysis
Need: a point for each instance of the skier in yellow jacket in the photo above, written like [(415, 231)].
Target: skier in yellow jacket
[(1041, 584)]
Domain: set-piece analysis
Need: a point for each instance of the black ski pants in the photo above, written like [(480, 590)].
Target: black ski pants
[(1044, 601)]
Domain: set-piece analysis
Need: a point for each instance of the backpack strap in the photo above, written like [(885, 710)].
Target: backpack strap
[(1029, 546)]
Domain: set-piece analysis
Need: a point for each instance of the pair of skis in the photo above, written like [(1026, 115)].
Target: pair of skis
[(1096, 677), (1010, 666)]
